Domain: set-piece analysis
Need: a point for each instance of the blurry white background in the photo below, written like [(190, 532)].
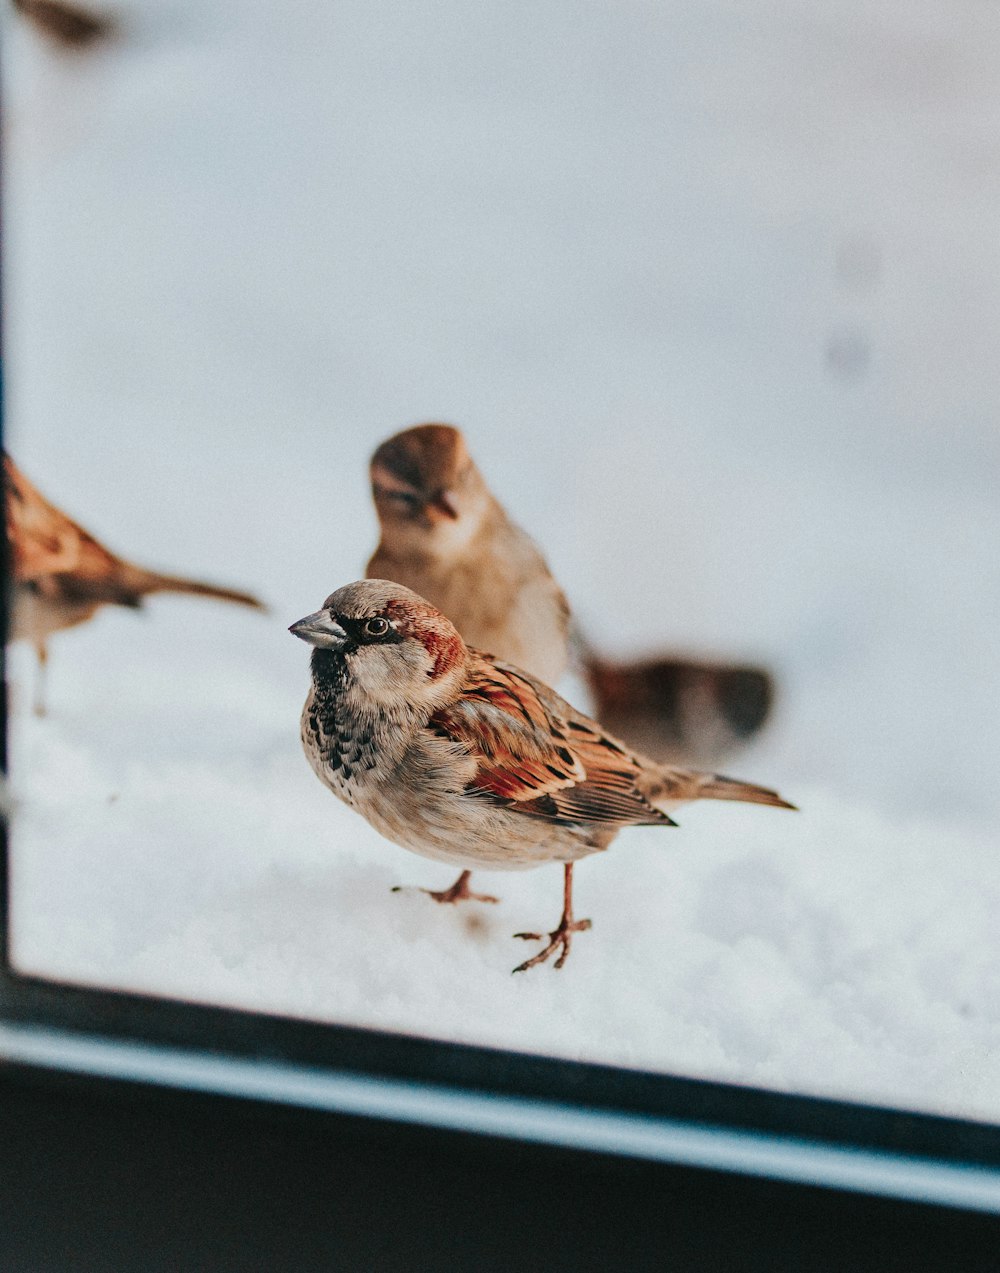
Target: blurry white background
[(714, 290)]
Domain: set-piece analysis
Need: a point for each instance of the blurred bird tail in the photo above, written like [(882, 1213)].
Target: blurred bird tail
[(148, 581)]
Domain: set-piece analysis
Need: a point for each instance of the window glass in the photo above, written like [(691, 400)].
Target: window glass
[(712, 292)]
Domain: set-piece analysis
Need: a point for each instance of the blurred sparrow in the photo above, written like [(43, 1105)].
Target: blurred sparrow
[(459, 757), (68, 25), (62, 575), (445, 535), (671, 708)]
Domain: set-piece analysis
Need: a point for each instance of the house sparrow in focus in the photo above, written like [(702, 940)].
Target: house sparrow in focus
[(62, 575), (463, 758), (445, 535)]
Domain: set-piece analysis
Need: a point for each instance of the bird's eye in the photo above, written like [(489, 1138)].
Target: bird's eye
[(376, 627)]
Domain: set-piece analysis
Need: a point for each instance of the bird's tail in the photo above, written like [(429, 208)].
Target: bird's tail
[(143, 582), (679, 786), (716, 787)]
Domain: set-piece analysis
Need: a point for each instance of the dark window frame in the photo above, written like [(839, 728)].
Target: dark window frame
[(58, 1028)]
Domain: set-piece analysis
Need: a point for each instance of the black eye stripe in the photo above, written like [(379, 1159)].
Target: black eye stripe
[(356, 630)]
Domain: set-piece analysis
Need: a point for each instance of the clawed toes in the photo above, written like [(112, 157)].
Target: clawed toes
[(457, 893), (542, 955), (450, 896), (562, 937)]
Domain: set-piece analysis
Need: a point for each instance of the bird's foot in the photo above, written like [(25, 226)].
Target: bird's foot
[(459, 892), (562, 936)]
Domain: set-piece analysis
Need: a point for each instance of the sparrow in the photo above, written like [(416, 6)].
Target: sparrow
[(68, 25), (467, 759), (445, 535), (680, 709), (62, 575)]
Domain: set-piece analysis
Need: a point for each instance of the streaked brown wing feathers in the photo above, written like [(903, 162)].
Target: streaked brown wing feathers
[(538, 755), (45, 541)]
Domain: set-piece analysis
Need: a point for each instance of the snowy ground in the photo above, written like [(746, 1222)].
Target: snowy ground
[(714, 291)]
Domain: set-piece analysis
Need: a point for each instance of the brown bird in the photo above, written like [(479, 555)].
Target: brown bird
[(62, 575), (463, 758), (446, 536), (673, 708), (68, 25)]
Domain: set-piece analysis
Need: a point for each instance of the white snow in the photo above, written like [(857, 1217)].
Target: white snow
[(714, 290)]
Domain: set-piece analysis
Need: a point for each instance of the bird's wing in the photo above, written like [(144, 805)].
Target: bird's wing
[(49, 547), (536, 754), (97, 575), (43, 540)]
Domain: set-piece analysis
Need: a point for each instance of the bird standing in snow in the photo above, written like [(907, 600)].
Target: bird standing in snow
[(463, 758), (446, 536), (62, 575)]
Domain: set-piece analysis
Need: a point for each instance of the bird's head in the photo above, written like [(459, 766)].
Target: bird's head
[(426, 487), (385, 647)]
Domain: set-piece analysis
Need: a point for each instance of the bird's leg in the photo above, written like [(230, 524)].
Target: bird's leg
[(459, 892), (42, 651), (563, 935)]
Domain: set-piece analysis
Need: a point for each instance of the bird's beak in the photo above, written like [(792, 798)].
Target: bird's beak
[(444, 502), (321, 630)]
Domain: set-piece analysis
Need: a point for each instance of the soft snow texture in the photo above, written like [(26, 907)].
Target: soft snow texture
[(714, 290)]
